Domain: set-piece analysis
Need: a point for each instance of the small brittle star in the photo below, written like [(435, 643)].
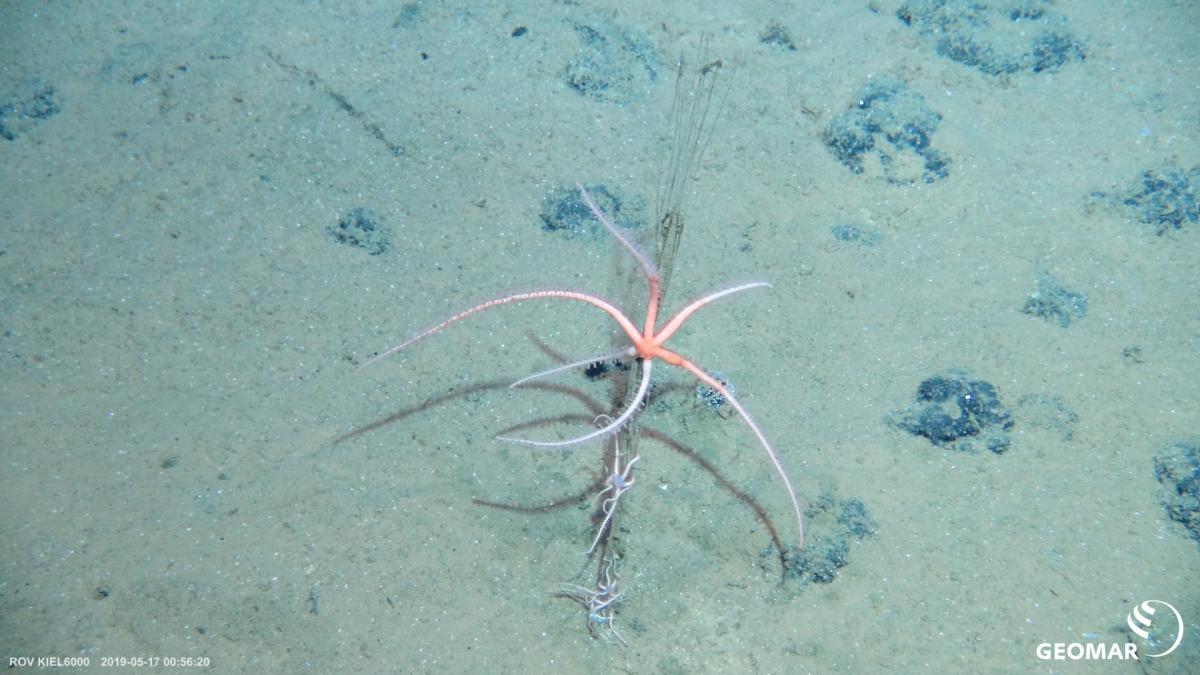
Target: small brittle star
[(620, 480)]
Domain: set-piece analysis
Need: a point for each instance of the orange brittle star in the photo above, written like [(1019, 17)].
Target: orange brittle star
[(647, 346)]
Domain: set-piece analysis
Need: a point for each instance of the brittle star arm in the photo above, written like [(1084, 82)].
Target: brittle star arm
[(649, 270), (682, 315), (612, 311), (715, 384), (613, 427), (623, 354)]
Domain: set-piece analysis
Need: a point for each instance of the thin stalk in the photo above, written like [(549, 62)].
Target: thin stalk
[(692, 120)]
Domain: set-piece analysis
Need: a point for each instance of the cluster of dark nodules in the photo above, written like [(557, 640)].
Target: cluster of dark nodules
[(563, 210), (1179, 474), (362, 229), (597, 370), (889, 120), (1053, 302), (27, 104), (957, 411), (832, 525), (1165, 197), (713, 398), (998, 38), (614, 64)]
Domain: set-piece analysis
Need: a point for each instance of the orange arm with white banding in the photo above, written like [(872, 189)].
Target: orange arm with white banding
[(712, 382), (615, 313), (676, 321)]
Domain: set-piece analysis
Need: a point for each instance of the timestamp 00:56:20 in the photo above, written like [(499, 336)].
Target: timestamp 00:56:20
[(154, 661)]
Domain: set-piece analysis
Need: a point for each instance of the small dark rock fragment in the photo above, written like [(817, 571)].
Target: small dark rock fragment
[(361, 228), (1052, 301)]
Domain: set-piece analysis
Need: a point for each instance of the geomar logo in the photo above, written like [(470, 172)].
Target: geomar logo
[(1137, 617)]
